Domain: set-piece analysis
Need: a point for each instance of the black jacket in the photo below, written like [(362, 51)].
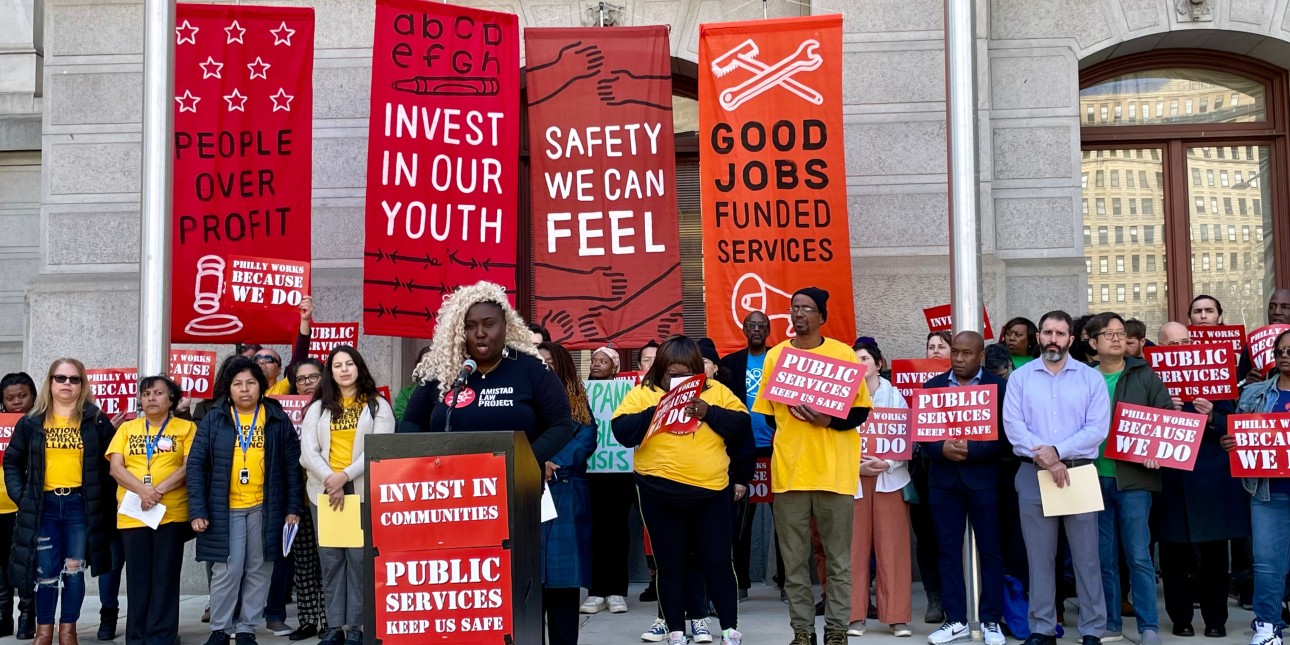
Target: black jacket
[(210, 471), (24, 476), (737, 364), (981, 469)]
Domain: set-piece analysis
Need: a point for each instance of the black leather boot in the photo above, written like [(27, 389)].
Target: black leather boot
[(26, 629), (107, 624)]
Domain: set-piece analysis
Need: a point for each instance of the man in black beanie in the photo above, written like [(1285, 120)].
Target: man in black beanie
[(815, 468)]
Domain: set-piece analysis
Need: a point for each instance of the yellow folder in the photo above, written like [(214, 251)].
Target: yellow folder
[(341, 529), (1083, 495)]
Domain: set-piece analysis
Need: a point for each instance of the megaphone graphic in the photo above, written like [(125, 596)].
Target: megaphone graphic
[(751, 293)]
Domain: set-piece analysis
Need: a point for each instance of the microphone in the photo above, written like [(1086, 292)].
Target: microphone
[(467, 369)]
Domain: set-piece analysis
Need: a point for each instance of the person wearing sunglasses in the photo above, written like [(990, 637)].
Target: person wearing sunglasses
[(66, 497)]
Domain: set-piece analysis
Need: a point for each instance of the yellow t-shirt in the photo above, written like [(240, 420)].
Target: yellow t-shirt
[(808, 457), (64, 449), (343, 427), (251, 493), (168, 455), (698, 459), (283, 386)]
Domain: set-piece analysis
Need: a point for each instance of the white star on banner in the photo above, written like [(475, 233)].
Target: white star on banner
[(207, 72), (232, 28), (278, 38), (263, 67), (282, 95), (191, 36), (183, 102), (236, 97)]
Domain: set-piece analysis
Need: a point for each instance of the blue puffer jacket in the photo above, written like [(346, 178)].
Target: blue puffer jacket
[(210, 471)]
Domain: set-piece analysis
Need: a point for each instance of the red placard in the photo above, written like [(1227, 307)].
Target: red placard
[(885, 434), (324, 337), (194, 371), (385, 392), (939, 319), (1195, 371), (909, 374), (1262, 444), (1139, 433), (828, 385), (442, 160), (294, 405), (669, 414), (1262, 342), (267, 283), (1233, 334), (115, 390), (460, 596), (8, 421), (969, 412), (759, 490), (438, 502), (243, 164), (773, 169), (605, 241)]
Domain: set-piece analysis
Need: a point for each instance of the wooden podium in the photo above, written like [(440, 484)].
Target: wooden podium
[(453, 549)]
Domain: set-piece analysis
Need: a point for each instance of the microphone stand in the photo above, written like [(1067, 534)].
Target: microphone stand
[(456, 394)]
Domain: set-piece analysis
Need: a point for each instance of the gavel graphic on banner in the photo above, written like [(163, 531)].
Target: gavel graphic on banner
[(208, 294)]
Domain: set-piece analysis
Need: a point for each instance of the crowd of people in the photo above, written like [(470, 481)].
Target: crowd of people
[(232, 471)]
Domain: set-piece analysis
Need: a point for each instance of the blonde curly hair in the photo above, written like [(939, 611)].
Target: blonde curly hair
[(448, 348)]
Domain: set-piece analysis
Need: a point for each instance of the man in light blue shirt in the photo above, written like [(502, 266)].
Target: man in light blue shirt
[(1056, 414)]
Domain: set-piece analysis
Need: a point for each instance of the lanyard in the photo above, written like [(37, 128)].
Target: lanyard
[(150, 441), (244, 438)]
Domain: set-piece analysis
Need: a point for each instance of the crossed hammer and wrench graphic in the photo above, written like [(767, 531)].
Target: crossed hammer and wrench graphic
[(765, 77)]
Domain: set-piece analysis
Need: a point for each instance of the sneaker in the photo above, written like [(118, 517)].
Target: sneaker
[(657, 632), (617, 605), (305, 630), (808, 638), (835, 637), (699, 629), (221, 638), (1090, 640), (1112, 635), (244, 638), (901, 630), (677, 638), (856, 628), (993, 635), (278, 627), (1265, 634), (592, 605), (950, 633), (732, 637), (355, 636), (1150, 637), (1041, 639), (333, 636)]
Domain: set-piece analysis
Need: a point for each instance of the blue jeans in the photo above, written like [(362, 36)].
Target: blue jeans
[(1125, 521), (60, 558), (110, 582), (1270, 522)]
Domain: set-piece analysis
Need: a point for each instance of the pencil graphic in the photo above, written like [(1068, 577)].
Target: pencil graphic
[(448, 85)]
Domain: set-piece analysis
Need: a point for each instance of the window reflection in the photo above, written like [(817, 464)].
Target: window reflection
[(1173, 96)]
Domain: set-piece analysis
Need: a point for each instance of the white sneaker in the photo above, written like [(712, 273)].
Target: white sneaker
[(699, 629), (678, 638), (1265, 634), (950, 633), (1112, 637), (856, 628), (617, 605), (993, 635), (592, 605), (657, 632), (732, 637)]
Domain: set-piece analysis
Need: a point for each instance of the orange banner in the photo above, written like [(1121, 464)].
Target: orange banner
[(774, 174)]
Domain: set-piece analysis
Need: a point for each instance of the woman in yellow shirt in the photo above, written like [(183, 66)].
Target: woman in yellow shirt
[(148, 458), (346, 408), (683, 482), (17, 396), (66, 498)]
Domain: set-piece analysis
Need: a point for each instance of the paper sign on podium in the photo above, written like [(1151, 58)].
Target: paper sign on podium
[(1082, 495), (341, 529)]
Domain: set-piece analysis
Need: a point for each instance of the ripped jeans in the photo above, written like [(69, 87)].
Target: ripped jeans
[(60, 557)]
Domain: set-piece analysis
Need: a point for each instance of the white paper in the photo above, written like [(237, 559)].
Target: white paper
[(132, 506), (548, 505), (288, 537)]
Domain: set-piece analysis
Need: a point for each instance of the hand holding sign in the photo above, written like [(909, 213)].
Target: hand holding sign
[(814, 385), (678, 412), (1141, 434), (968, 412)]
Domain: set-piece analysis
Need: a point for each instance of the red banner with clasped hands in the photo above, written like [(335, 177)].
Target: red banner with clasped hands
[(605, 241), (243, 164), (773, 169), (442, 160)]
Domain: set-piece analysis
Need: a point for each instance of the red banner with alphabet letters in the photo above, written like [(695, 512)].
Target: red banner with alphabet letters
[(969, 412), (1262, 444), (1195, 371), (328, 336), (267, 283), (295, 406), (1261, 343), (885, 434), (826, 384), (1139, 433), (605, 237), (773, 169), (8, 421), (442, 160), (909, 374), (451, 596), (243, 162), (115, 389), (939, 319), (458, 507), (759, 490), (670, 415), (193, 370), (1231, 334)]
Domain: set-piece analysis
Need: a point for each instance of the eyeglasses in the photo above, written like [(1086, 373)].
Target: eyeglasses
[(1113, 335), (63, 378), (802, 309), (308, 379), (266, 358), (1280, 351)]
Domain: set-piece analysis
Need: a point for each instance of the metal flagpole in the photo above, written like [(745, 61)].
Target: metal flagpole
[(154, 257), (964, 192)]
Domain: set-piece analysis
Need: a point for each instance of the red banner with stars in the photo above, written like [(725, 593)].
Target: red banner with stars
[(243, 152)]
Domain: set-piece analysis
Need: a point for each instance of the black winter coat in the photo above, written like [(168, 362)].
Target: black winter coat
[(210, 472), (24, 476)]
